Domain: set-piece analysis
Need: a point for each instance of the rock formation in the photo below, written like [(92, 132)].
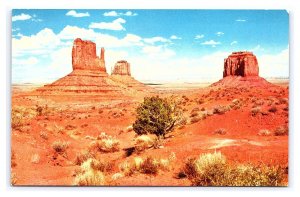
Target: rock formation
[(84, 56), (89, 75), (121, 74), (242, 63), (122, 67), (241, 70)]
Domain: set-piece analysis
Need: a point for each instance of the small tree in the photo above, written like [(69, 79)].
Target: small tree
[(157, 116)]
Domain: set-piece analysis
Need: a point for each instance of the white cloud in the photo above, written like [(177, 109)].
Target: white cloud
[(174, 37), (111, 13), (114, 13), (21, 17), (43, 42), (197, 37), (129, 13), (158, 52), (233, 42), (220, 33), (274, 65), (211, 43), (73, 13), (26, 61), (133, 38), (115, 25), (240, 20), (153, 40)]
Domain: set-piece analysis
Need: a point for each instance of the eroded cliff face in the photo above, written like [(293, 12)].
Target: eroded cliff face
[(84, 56), (241, 63), (122, 67)]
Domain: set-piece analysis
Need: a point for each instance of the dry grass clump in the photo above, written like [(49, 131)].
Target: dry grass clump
[(83, 156), (143, 142), (264, 132), (212, 169), (13, 162), (220, 131), (273, 109), (105, 143), (89, 174), (35, 158), (109, 145), (44, 135), (256, 110), (220, 109), (195, 119), (149, 165), (13, 178), (60, 146), (282, 130)]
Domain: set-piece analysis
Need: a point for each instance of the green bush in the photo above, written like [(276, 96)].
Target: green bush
[(157, 116)]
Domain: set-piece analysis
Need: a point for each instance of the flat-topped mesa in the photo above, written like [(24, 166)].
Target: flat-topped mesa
[(241, 63), (84, 56), (122, 67)]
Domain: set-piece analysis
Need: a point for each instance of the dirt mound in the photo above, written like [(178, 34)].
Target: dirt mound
[(238, 81)]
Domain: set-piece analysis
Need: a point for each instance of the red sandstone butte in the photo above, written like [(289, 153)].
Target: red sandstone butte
[(84, 56), (122, 67), (242, 63)]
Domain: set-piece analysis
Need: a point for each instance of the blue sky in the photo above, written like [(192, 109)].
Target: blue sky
[(161, 45)]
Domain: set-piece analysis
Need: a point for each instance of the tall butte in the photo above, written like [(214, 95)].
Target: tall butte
[(89, 74), (241, 69), (121, 73)]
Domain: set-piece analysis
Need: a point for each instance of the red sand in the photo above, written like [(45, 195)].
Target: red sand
[(91, 115)]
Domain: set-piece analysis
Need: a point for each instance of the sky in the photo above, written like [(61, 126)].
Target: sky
[(160, 45)]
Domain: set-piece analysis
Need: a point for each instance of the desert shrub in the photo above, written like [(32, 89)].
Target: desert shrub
[(60, 146), (283, 100), (82, 157), (195, 119), (149, 166), (158, 143), (44, 135), (273, 109), (256, 110), (220, 131), (264, 132), (35, 158), (282, 130), (143, 142), (220, 109), (213, 170), (117, 176), (13, 159), (194, 114), (89, 175), (157, 116), (13, 179), (109, 145)]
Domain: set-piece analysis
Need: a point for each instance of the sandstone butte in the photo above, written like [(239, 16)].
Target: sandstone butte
[(241, 69), (121, 73), (89, 75)]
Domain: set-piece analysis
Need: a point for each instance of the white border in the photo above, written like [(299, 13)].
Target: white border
[(5, 25)]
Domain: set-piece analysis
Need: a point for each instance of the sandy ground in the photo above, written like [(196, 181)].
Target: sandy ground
[(78, 121)]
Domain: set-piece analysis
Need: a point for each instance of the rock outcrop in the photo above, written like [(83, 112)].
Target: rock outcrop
[(89, 76), (122, 67), (241, 63), (84, 56), (121, 74), (241, 70)]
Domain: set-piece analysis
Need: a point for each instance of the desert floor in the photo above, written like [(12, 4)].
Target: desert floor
[(78, 120)]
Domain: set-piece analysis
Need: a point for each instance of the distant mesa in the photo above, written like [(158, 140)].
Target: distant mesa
[(121, 73), (89, 75), (122, 67), (242, 63), (241, 70)]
